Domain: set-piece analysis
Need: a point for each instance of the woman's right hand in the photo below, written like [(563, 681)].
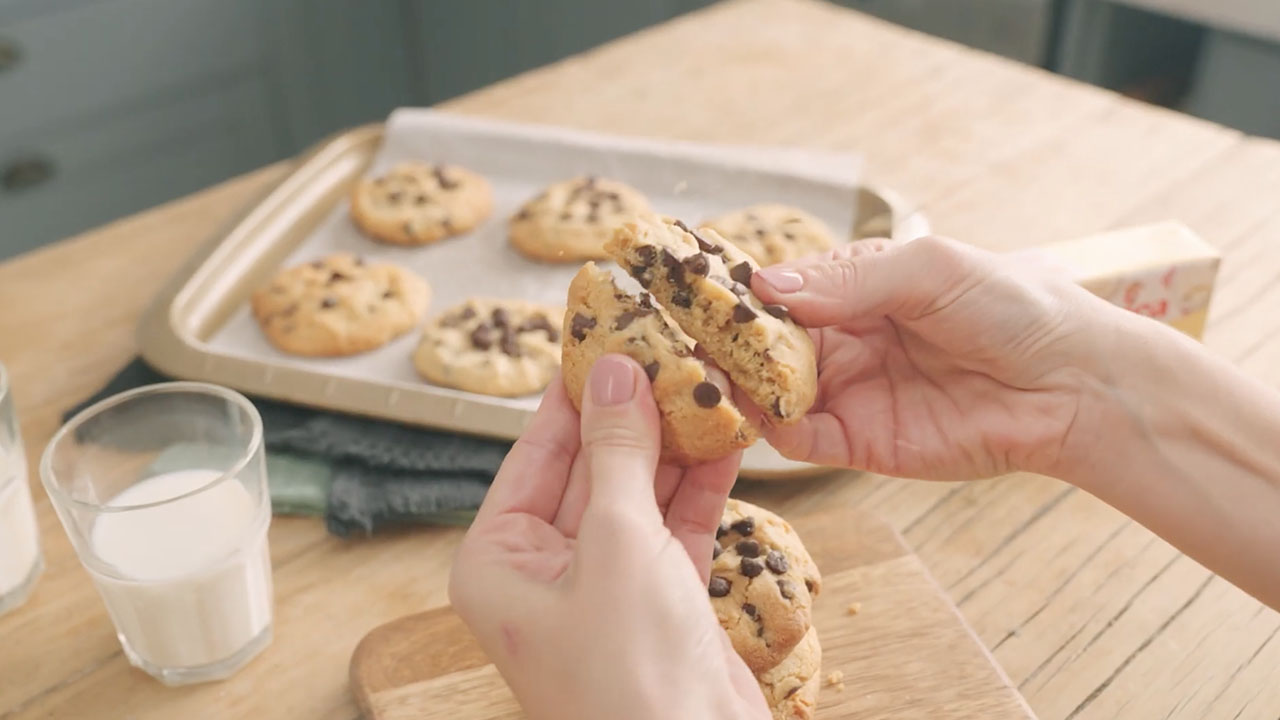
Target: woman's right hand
[(936, 360)]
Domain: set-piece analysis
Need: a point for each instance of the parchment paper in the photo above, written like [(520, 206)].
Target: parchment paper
[(692, 182)]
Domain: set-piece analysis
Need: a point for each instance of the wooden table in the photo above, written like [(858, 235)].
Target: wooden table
[(1091, 615)]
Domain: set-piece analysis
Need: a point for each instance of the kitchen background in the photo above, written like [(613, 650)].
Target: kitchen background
[(111, 106)]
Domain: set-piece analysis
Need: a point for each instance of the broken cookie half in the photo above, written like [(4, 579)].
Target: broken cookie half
[(704, 282), (699, 420)]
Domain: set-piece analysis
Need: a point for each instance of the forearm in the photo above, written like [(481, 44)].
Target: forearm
[(1187, 445)]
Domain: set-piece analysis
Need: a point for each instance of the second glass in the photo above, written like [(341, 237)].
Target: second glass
[(163, 491)]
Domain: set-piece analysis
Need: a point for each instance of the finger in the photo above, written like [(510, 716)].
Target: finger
[(698, 505), (665, 485), (866, 280), (569, 514), (620, 441), (819, 438), (533, 476)]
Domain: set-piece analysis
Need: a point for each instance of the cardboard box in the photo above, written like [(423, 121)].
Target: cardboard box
[(1164, 271)]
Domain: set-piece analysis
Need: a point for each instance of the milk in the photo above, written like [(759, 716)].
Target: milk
[(190, 580), (19, 539)]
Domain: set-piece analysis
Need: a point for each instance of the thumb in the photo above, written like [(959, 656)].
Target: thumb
[(867, 278), (621, 439)]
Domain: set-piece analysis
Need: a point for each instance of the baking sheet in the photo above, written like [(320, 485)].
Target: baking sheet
[(688, 181)]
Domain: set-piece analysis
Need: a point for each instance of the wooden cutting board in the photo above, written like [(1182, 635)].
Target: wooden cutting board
[(907, 653)]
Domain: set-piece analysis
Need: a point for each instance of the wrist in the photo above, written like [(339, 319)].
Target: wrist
[(1133, 368)]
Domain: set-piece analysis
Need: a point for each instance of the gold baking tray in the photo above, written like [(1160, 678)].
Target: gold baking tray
[(217, 282)]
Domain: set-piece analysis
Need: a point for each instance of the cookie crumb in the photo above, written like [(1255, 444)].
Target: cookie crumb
[(836, 679), (854, 608)]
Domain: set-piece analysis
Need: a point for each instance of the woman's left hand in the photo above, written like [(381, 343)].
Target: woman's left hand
[(584, 574)]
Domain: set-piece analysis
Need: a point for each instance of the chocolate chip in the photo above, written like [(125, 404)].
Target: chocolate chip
[(759, 232), (743, 313), (682, 298), (681, 350), (716, 551), (745, 526), (651, 369), (509, 345), (705, 246), (776, 562), (482, 337), (778, 311), (646, 254), (317, 264), (580, 325), (523, 214), (627, 316), (718, 587), (640, 273), (501, 318), (792, 691), (394, 196), (680, 224), (468, 312), (419, 199), (787, 589), (329, 301), (539, 322), (336, 276), (748, 548), (446, 182), (706, 394), (675, 269), (447, 225), (788, 236), (722, 530), (750, 610), (777, 407), (645, 301), (741, 273), (750, 567), (697, 264), (388, 294), (809, 585)]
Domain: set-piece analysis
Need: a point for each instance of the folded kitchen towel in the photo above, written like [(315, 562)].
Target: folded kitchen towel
[(363, 475)]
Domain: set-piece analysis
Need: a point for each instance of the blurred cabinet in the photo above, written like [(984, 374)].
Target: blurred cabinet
[(1018, 29)]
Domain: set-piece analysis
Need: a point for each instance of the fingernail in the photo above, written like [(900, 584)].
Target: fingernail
[(782, 280), (612, 381)]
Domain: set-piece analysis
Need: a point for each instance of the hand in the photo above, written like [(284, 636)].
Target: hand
[(935, 360), (584, 574)]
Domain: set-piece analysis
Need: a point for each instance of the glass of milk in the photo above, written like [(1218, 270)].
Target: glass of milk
[(20, 559), (163, 490)]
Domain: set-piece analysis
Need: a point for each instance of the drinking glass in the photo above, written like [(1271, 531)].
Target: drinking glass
[(163, 491), (20, 560)]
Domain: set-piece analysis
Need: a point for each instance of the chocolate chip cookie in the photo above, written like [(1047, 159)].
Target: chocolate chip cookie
[(339, 305), (705, 283), (506, 348), (774, 233), (571, 220), (791, 688), (762, 584), (699, 420), (420, 203)]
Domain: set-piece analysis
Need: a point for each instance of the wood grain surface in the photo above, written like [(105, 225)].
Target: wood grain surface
[(1090, 615), (905, 653)]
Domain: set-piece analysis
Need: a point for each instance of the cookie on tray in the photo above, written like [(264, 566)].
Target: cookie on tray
[(506, 348), (699, 420), (571, 220), (420, 203), (704, 282), (762, 584), (791, 688), (339, 305), (773, 233)]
